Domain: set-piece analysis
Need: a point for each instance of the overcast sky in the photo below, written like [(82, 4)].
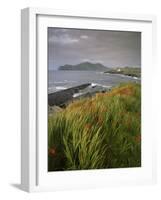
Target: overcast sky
[(111, 48)]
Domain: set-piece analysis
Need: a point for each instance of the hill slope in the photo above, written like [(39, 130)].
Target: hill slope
[(99, 132), (128, 71)]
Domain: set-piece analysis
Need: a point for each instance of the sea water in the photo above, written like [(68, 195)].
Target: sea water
[(60, 80)]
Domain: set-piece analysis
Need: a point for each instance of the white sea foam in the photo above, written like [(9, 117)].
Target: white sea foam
[(106, 86), (93, 85), (97, 84), (77, 94), (60, 88)]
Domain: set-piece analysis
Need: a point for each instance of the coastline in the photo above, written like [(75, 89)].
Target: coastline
[(64, 97), (126, 75), (133, 72)]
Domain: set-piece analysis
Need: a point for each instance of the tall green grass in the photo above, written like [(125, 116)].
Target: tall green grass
[(99, 132)]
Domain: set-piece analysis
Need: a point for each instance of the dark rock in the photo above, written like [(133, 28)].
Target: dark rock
[(60, 98)]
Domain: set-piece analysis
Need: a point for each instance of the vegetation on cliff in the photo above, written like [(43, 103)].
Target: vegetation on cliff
[(103, 131)]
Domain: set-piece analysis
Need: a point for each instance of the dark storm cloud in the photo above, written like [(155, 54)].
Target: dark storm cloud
[(111, 48)]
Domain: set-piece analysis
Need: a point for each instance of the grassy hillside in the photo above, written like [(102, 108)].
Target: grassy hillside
[(129, 71), (99, 132), (85, 66)]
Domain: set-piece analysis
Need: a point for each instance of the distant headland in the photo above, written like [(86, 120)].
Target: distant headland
[(85, 66)]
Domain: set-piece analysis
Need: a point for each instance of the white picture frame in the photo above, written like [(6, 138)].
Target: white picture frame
[(34, 176)]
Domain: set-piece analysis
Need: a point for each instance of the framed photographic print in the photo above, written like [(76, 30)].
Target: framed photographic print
[(86, 99)]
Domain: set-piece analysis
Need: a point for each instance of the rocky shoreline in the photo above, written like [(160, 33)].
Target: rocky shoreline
[(127, 75), (61, 99)]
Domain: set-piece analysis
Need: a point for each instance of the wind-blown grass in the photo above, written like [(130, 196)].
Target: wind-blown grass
[(99, 132)]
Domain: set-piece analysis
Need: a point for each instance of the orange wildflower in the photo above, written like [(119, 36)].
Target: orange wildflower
[(52, 152), (88, 126), (138, 138)]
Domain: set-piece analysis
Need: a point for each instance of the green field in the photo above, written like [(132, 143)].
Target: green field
[(128, 71), (103, 131)]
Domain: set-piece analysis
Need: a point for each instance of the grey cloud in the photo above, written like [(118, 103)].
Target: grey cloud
[(111, 48), (63, 39)]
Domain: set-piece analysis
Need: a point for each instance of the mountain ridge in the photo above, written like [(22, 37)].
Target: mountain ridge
[(87, 66)]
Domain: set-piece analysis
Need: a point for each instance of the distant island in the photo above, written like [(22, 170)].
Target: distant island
[(85, 66)]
